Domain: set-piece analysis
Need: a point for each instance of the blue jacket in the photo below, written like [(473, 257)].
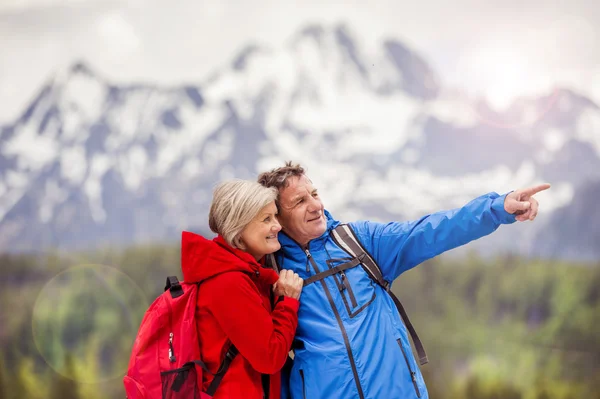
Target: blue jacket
[(351, 341)]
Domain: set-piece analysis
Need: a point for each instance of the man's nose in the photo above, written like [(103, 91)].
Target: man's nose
[(314, 205)]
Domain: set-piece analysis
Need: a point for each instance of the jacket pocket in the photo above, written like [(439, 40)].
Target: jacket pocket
[(180, 383), (303, 384), (356, 288), (413, 375)]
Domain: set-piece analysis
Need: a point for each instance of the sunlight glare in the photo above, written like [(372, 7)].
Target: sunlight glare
[(498, 74)]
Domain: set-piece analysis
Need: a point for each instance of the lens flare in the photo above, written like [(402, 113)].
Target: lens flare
[(85, 320)]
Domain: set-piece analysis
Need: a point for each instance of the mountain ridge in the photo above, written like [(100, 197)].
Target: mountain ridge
[(137, 162)]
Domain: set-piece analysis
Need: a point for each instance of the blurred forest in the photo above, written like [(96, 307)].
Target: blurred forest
[(494, 328)]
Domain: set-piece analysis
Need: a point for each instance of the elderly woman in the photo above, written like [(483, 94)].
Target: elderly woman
[(241, 302)]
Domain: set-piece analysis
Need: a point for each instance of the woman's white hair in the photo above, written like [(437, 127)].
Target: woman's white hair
[(235, 204)]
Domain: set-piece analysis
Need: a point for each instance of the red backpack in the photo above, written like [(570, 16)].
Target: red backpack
[(165, 359)]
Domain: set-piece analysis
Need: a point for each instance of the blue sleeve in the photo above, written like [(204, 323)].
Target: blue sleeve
[(400, 246)]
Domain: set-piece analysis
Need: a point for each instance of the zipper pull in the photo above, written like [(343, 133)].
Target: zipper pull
[(308, 256), (171, 353), (343, 275)]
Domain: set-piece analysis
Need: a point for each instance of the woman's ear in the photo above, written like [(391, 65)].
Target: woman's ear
[(239, 243)]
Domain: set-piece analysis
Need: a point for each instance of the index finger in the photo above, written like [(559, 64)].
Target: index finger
[(535, 189)]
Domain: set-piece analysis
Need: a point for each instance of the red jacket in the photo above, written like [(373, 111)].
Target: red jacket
[(234, 307)]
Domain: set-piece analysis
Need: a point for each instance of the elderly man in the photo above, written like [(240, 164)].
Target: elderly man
[(351, 341)]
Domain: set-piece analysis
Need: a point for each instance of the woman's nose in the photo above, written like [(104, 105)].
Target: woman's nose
[(276, 226)]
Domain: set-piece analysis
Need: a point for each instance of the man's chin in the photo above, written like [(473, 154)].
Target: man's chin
[(320, 229)]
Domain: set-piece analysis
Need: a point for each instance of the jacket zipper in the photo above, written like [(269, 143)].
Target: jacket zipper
[(172, 357), (347, 287), (341, 325), (412, 373), (345, 282), (303, 384)]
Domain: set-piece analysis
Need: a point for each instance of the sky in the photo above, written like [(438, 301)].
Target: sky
[(499, 49)]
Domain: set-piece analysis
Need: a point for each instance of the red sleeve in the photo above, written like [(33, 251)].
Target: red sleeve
[(263, 339)]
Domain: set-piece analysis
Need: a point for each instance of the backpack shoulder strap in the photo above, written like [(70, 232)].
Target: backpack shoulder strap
[(217, 377), (271, 262), (345, 237), (229, 356)]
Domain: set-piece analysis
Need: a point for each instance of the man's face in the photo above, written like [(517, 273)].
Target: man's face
[(301, 210)]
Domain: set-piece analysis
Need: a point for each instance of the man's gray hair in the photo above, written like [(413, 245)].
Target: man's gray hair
[(278, 177), (235, 204)]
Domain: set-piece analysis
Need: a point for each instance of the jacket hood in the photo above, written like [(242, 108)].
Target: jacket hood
[(202, 259)]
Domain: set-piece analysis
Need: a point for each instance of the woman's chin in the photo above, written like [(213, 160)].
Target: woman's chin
[(274, 247)]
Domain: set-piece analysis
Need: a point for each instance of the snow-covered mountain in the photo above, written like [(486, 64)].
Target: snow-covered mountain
[(91, 163)]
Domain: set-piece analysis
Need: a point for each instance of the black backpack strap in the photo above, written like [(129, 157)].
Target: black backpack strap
[(271, 262), (346, 239), (229, 356), (265, 380), (183, 373), (344, 236), (334, 270), (174, 287)]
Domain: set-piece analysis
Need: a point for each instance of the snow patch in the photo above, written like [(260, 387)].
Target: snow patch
[(73, 164), (53, 195), (86, 94), (132, 166), (33, 151), (218, 150), (181, 143), (128, 119), (92, 187), (75, 127), (376, 125)]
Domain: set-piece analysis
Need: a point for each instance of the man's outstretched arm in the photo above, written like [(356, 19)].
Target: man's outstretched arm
[(400, 246)]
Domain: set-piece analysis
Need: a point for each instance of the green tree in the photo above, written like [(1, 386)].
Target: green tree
[(543, 395), (64, 387), (15, 384)]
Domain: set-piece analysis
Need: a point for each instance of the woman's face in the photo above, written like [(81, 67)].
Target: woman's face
[(260, 236)]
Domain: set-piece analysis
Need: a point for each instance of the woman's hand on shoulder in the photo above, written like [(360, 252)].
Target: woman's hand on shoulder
[(289, 284)]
